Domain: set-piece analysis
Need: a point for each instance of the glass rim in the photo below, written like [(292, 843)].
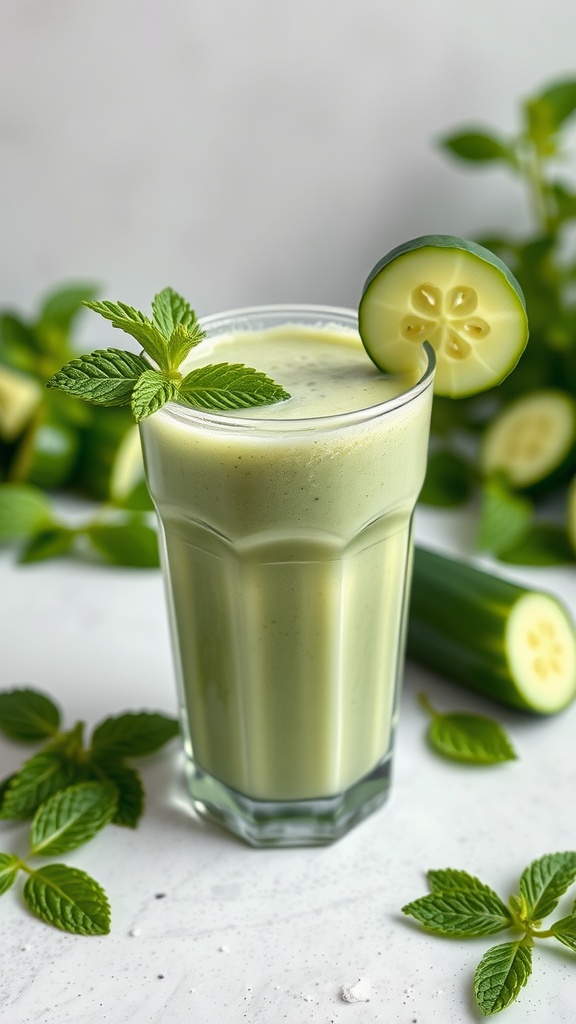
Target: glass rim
[(330, 314)]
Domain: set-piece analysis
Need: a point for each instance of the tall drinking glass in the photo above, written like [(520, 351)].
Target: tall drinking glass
[(286, 538)]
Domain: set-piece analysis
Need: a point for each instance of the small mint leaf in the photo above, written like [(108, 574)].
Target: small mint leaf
[(24, 509), (449, 879), (129, 787), (9, 865), (132, 544), (182, 341), (170, 311), (473, 739), (546, 880), (137, 325), (104, 377), (460, 913), (72, 817), (28, 715), (151, 391), (505, 518), (565, 931), (39, 778), (477, 146), (501, 974), (69, 899), (133, 734), (228, 386)]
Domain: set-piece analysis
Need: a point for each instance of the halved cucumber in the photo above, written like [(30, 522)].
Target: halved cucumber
[(111, 467), (532, 439), (20, 396), (510, 643), (454, 294)]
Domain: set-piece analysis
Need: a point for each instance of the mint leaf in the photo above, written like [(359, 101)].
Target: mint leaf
[(28, 715), (171, 311), (227, 386), (39, 778), (560, 99), (546, 544), (132, 544), (546, 880), (448, 480), (129, 788), (151, 391), (461, 913), (182, 341), (9, 866), (449, 879), (104, 377), (473, 739), (24, 509), (49, 543), (565, 931), (477, 146), (72, 817), (501, 974), (134, 323), (69, 899), (505, 518), (133, 734)]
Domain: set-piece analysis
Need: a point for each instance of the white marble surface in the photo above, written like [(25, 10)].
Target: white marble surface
[(262, 937)]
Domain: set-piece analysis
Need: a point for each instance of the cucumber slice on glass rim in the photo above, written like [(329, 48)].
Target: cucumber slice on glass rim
[(533, 439), (454, 294)]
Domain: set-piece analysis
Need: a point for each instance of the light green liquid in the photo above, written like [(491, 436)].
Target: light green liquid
[(286, 550)]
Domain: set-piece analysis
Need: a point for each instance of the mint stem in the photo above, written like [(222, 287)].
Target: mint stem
[(425, 703)]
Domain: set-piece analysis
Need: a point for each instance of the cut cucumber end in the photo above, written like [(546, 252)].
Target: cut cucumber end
[(541, 646), (532, 438), (20, 397), (454, 294)]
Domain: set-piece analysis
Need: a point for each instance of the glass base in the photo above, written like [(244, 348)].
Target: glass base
[(289, 822)]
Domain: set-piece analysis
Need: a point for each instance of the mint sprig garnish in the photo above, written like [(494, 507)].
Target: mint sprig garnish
[(115, 377), (71, 792), (469, 738), (459, 905)]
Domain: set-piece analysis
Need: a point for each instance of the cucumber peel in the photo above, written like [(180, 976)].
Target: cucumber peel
[(513, 644), (456, 295)]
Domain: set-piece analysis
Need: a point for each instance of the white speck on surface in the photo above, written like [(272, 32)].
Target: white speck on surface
[(223, 949), (135, 932), (359, 992)]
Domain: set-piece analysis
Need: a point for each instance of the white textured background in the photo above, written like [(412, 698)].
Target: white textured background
[(251, 150)]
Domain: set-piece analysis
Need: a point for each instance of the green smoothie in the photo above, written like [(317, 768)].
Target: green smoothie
[(286, 533)]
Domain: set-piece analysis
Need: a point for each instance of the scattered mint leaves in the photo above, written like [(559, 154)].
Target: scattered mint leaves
[(500, 975), (459, 905), (114, 377), (133, 734), (472, 739), (28, 715), (69, 899), (71, 793), (505, 517), (9, 865)]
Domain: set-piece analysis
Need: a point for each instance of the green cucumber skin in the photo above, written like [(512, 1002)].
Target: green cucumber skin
[(448, 242), (457, 625)]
